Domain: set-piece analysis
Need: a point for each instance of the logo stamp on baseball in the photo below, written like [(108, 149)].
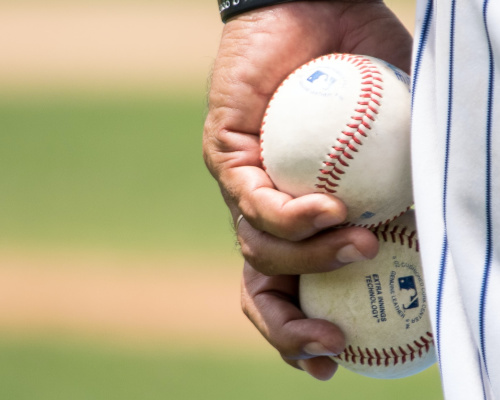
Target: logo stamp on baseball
[(339, 124), (379, 304)]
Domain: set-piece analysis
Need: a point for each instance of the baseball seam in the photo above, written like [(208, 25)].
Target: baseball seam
[(388, 357), (397, 234), (357, 128), (404, 236)]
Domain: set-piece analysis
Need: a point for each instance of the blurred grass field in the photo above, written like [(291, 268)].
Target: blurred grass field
[(95, 174), (52, 371), (120, 173)]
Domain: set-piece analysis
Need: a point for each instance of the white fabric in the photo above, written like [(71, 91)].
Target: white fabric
[(456, 160)]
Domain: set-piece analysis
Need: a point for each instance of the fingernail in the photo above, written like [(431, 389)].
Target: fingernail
[(326, 220), (317, 349), (349, 253), (303, 366), (321, 374)]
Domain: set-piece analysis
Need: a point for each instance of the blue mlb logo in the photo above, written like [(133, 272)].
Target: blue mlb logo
[(407, 283), (321, 79)]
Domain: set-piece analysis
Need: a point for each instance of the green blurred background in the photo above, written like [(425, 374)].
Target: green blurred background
[(118, 273)]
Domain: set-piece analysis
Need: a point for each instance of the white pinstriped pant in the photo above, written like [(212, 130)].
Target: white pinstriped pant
[(456, 168)]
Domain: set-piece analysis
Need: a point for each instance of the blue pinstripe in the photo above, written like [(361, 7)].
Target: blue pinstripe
[(489, 236), (424, 34), (485, 396), (444, 248), (439, 301)]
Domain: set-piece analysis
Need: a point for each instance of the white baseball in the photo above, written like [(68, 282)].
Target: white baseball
[(340, 124), (379, 304)]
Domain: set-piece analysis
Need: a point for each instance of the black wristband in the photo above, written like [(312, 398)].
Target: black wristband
[(231, 8)]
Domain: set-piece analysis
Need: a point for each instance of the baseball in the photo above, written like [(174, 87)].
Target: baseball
[(379, 304), (340, 124)]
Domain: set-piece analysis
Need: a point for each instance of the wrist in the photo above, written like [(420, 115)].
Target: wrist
[(231, 8)]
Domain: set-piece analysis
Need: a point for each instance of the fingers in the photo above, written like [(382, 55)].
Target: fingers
[(248, 189), (281, 215), (293, 219), (322, 368), (323, 252), (271, 304)]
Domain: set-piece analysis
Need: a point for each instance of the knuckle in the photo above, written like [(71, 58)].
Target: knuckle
[(252, 257), (245, 306), (246, 250), (262, 264)]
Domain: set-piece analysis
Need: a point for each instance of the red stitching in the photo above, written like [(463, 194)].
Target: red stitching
[(396, 234), (330, 173), (328, 181), (350, 139), (360, 131), (388, 357), (341, 160), (338, 170), (325, 188)]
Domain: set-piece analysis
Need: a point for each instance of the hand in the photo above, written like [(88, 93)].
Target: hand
[(271, 303), (282, 235)]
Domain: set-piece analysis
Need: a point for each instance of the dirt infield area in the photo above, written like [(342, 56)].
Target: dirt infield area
[(133, 300), (107, 45), (115, 45)]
